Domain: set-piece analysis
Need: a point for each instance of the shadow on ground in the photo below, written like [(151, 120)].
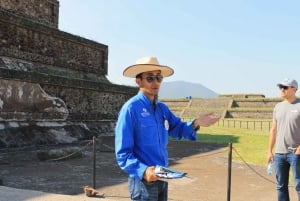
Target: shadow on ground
[(21, 168)]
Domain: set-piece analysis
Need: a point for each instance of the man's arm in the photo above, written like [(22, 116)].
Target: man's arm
[(272, 140)]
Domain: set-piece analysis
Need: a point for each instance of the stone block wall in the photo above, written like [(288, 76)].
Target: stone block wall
[(251, 114), (27, 40), (85, 100), (224, 107), (193, 113), (45, 12), (89, 104), (57, 80), (236, 96), (255, 103), (209, 103), (176, 103)]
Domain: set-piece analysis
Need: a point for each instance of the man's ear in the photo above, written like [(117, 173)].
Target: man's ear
[(138, 81)]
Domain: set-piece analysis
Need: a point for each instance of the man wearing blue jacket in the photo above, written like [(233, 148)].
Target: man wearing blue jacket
[(143, 128)]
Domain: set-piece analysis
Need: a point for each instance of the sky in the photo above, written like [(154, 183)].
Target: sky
[(232, 46)]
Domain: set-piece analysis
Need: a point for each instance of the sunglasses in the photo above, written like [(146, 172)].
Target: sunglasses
[(151, 78), (283, 87)]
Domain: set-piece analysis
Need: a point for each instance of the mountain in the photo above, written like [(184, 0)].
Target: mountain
[(182, 89)]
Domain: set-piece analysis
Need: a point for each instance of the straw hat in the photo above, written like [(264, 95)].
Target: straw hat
[(147, 64)]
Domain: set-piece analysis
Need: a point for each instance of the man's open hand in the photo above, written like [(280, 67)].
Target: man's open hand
[(205, 120)]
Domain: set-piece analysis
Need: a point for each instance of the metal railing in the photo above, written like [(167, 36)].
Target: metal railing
[(246, 124)]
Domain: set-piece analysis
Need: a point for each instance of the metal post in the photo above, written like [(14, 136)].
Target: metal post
[(94, 162), (229, 172)]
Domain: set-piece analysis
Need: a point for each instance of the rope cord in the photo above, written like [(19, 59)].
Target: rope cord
[(203, 155), (69, 155), (210, 154), (251, 168)]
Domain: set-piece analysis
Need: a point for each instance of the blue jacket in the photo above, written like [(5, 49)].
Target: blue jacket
[(141, 134)]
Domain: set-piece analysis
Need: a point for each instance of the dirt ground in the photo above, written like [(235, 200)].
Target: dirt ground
[(206, 165)]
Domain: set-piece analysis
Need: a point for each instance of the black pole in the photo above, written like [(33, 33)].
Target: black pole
[(94, 162), (229, 172)]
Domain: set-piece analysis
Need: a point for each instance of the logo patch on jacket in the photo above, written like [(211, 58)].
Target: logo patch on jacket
[(145, 113)]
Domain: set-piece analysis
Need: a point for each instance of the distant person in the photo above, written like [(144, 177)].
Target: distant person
[(143, 127), (285, 135)]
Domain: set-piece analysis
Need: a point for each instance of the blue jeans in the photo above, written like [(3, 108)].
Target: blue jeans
[(147, 191), (283, 163)]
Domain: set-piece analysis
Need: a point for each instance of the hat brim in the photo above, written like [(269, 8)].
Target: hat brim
[(282, 84), (134, 70), (287, 85)]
